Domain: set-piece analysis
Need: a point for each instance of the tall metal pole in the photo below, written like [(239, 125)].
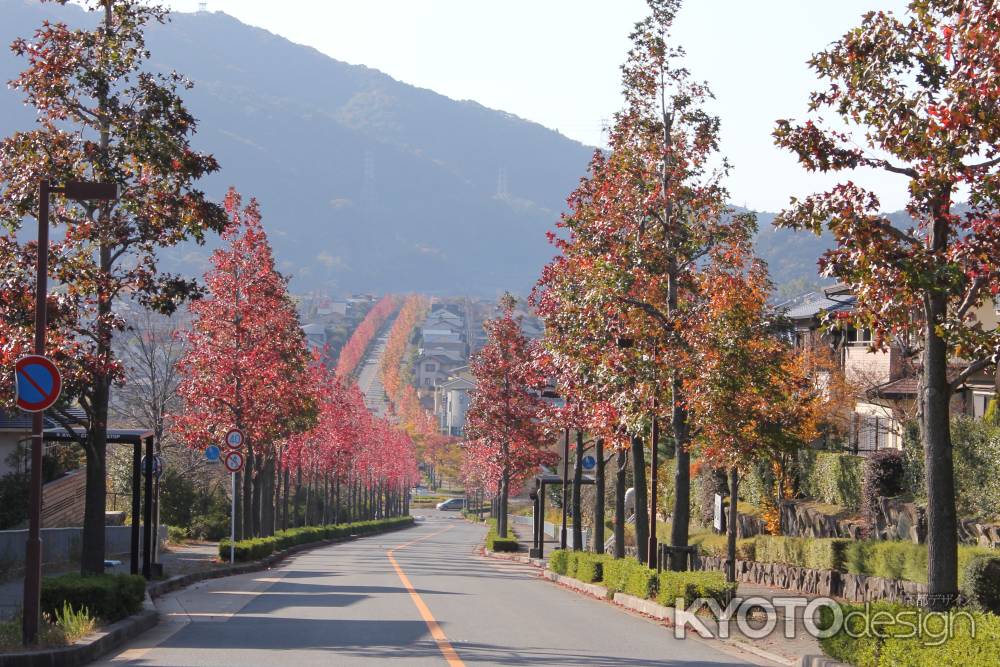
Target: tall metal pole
[(147, 510), (565, 487), (232, 522), (136, 504), (33, 551), (651, 554)]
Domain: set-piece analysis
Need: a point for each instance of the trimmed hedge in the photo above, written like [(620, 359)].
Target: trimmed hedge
[(496, 543), (627, 575), (262, 547), (895, 641), (693, 585), (110, 597), (903, 560), (886, 559), (818, 554), (833, 478), (589, 566)]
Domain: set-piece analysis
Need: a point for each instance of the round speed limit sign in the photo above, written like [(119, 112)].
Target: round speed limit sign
[(234, 438), (233, 461)]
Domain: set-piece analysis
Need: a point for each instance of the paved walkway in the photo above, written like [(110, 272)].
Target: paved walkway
[(416, 597), (177, 559)]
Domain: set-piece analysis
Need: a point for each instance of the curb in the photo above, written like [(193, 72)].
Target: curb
[(90, 649), (115, 635), (821, 661)]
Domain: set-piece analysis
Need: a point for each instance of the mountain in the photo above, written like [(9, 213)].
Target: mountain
[(365, 183)]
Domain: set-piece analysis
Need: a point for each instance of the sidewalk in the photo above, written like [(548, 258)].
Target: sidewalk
[(176, 559)]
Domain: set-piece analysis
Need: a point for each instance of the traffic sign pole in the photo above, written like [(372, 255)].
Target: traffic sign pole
[(232, 521), (33, 552)]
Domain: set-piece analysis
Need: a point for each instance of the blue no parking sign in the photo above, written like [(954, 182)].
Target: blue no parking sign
[(37, 383)]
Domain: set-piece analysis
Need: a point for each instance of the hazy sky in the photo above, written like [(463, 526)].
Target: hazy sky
[(556, 62)]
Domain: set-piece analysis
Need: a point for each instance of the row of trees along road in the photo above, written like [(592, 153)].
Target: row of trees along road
[(102, 116), (656, 311)]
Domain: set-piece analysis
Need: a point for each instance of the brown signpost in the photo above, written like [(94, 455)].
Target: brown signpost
[(78, 191)]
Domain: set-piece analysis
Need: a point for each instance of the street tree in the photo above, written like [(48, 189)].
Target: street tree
[(505, 416), (749, 394), (103, 115), (245, 363), (640, 226), (917, 97)]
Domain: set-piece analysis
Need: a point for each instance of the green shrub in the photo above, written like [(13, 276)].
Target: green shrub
[(496, 543), (261, 547), (976, 445), (982, 583), (107, 596), (589, 567), (896, 644), (902, 560), (615, 571), (693, 585), (640, 581), (883, 475), (833, 478), (559, 561), (717, 546), (177, 534), (814, 553)]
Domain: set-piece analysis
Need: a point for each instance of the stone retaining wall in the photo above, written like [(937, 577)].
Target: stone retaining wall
[(829, 583)]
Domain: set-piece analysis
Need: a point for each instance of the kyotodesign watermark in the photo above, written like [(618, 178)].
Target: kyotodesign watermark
[(758, 617)]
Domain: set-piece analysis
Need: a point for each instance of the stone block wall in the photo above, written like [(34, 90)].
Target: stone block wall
[(828, 583)]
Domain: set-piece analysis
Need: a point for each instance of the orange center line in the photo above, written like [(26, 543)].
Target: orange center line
[(447, 650)]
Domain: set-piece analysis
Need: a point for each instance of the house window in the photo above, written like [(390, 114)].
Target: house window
[(430, 368), (874, 433), (859, 336), (428, 382)]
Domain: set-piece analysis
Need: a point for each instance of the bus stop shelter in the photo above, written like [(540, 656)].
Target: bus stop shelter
[(538, 496), (137, 438)]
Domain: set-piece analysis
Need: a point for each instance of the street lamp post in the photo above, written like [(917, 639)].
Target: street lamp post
[(78, 191)]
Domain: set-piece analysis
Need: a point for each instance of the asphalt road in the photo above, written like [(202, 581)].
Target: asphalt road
[(420, 596)]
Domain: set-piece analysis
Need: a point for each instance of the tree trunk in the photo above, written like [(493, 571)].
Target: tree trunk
[(577, 483), (336, 497), (599, 500), (92, 547), (248, 494), (942, 524), (641, 499), (502, 505), (258, 481), (286, 474), (682, 475), (298, 495), (731, 525), (621, 463), (267, 498)]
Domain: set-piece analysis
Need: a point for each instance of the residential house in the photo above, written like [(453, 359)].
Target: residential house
[(886, 381), (452, 401), (315, 336), (433, 368)]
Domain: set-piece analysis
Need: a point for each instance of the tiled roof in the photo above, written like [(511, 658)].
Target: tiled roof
[(15, 420), (811, 305)]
